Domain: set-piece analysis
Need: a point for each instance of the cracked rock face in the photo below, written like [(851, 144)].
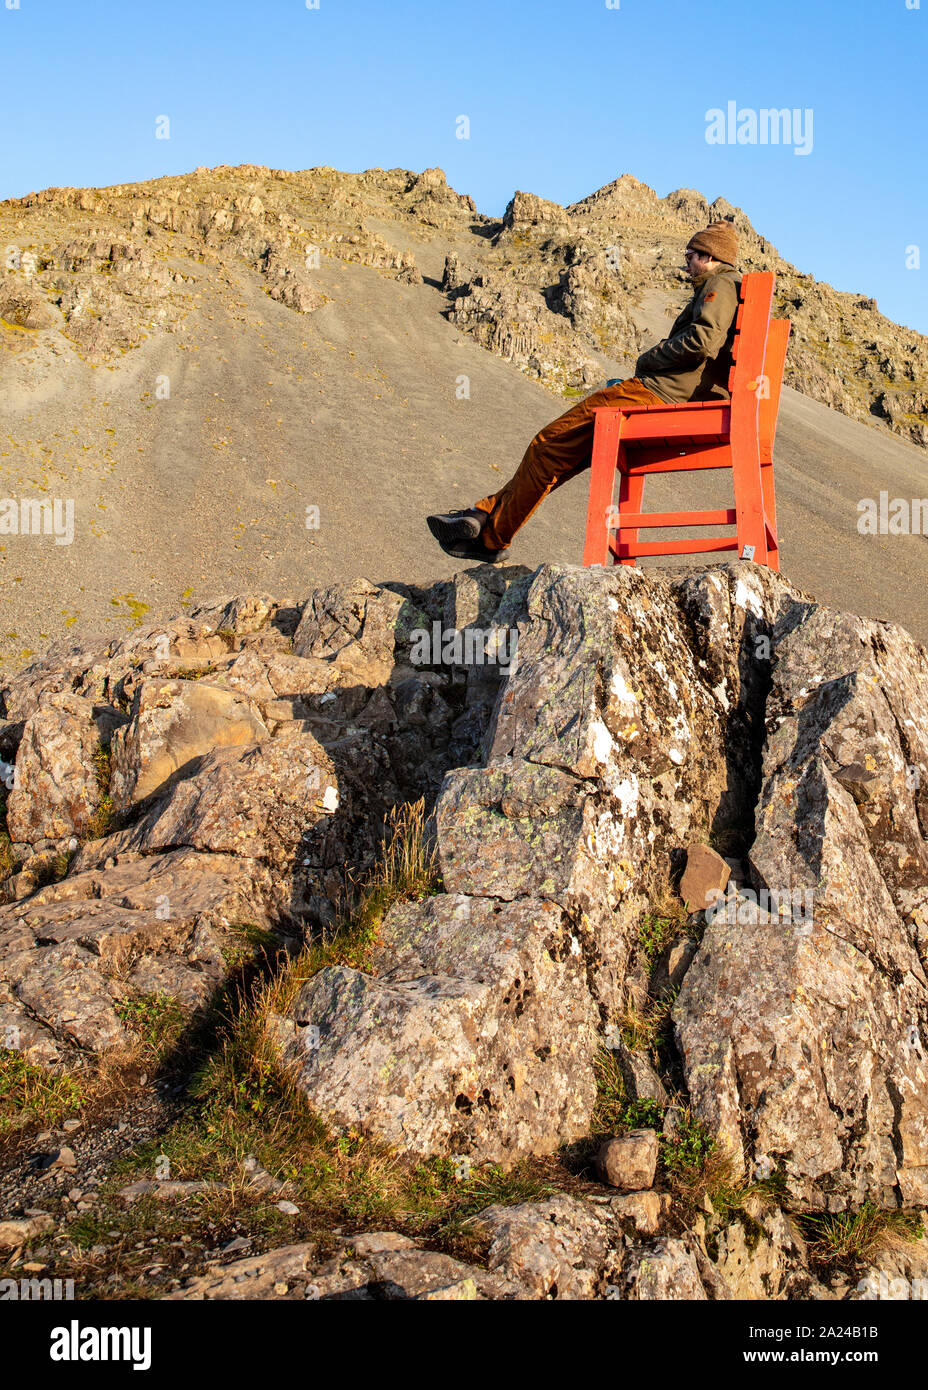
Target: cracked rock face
[(672, 1270), (803, 1034), (56, 791), (554, 1249), (174, 723), (120, 925)]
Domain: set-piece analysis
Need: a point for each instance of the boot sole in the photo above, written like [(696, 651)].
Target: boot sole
[(455, 532), (462, 550)]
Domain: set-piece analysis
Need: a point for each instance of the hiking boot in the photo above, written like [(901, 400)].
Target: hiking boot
[(458, 534), (451, 528)]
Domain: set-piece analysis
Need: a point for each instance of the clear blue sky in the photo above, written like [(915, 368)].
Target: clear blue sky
[(562, 97)]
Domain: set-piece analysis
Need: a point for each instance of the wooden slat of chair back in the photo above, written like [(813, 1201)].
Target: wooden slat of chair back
[(774, 364)]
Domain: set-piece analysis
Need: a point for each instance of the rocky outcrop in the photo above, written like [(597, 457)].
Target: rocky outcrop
[(251, 752), (603, 264), (56, 791), (525, 210), (599, 763), (254, 749), (517, 323), (643, 713)]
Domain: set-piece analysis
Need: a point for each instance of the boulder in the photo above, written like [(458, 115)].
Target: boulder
[(629, 1161), (354, 626), (671, 1269), (755, 1254), (644, 1209), (237, 615), (599, 761), (474, 1035), (645, 711), (18, 1232), (527, 210), (555, 1248), (259, 800), (705, 876)]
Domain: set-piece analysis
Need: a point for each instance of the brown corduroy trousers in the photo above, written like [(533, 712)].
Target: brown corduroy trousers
[(557, 453)]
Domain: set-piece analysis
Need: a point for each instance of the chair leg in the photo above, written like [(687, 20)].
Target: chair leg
[(770, 514), (749, 497), (606, 434), (631, 496)]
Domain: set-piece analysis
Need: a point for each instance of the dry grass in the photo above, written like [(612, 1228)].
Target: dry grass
[(245, 1101), (7, 862), (664, 920), (696, 1166), (104, 819), (644, 1028), (406, 872), (860, 1235), (154, 1022), (247, 1066)]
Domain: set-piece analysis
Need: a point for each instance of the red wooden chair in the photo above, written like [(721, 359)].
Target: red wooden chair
[(738, 434)]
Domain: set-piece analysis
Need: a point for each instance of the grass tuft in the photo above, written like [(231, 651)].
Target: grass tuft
[(156, 1020), (7, 862), (104, 819), (646, 1027), (859, 1235), (31, 1094), (664, 920)]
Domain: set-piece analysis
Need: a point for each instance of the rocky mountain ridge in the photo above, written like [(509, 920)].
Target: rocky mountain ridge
[(554, 290)]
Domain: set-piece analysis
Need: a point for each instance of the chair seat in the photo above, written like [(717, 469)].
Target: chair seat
[(674, 424), (669, 405)]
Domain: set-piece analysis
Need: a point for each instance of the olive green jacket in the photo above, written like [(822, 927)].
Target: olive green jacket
[(694, 361)]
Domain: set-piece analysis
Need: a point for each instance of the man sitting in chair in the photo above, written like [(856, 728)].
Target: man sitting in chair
[(691, 364)]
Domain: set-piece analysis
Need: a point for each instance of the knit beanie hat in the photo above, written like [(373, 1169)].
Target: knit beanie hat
[(719, 240)]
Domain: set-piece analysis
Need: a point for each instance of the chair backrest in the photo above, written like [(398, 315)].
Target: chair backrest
[(751, 327), (774, 362), (758, 359)]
